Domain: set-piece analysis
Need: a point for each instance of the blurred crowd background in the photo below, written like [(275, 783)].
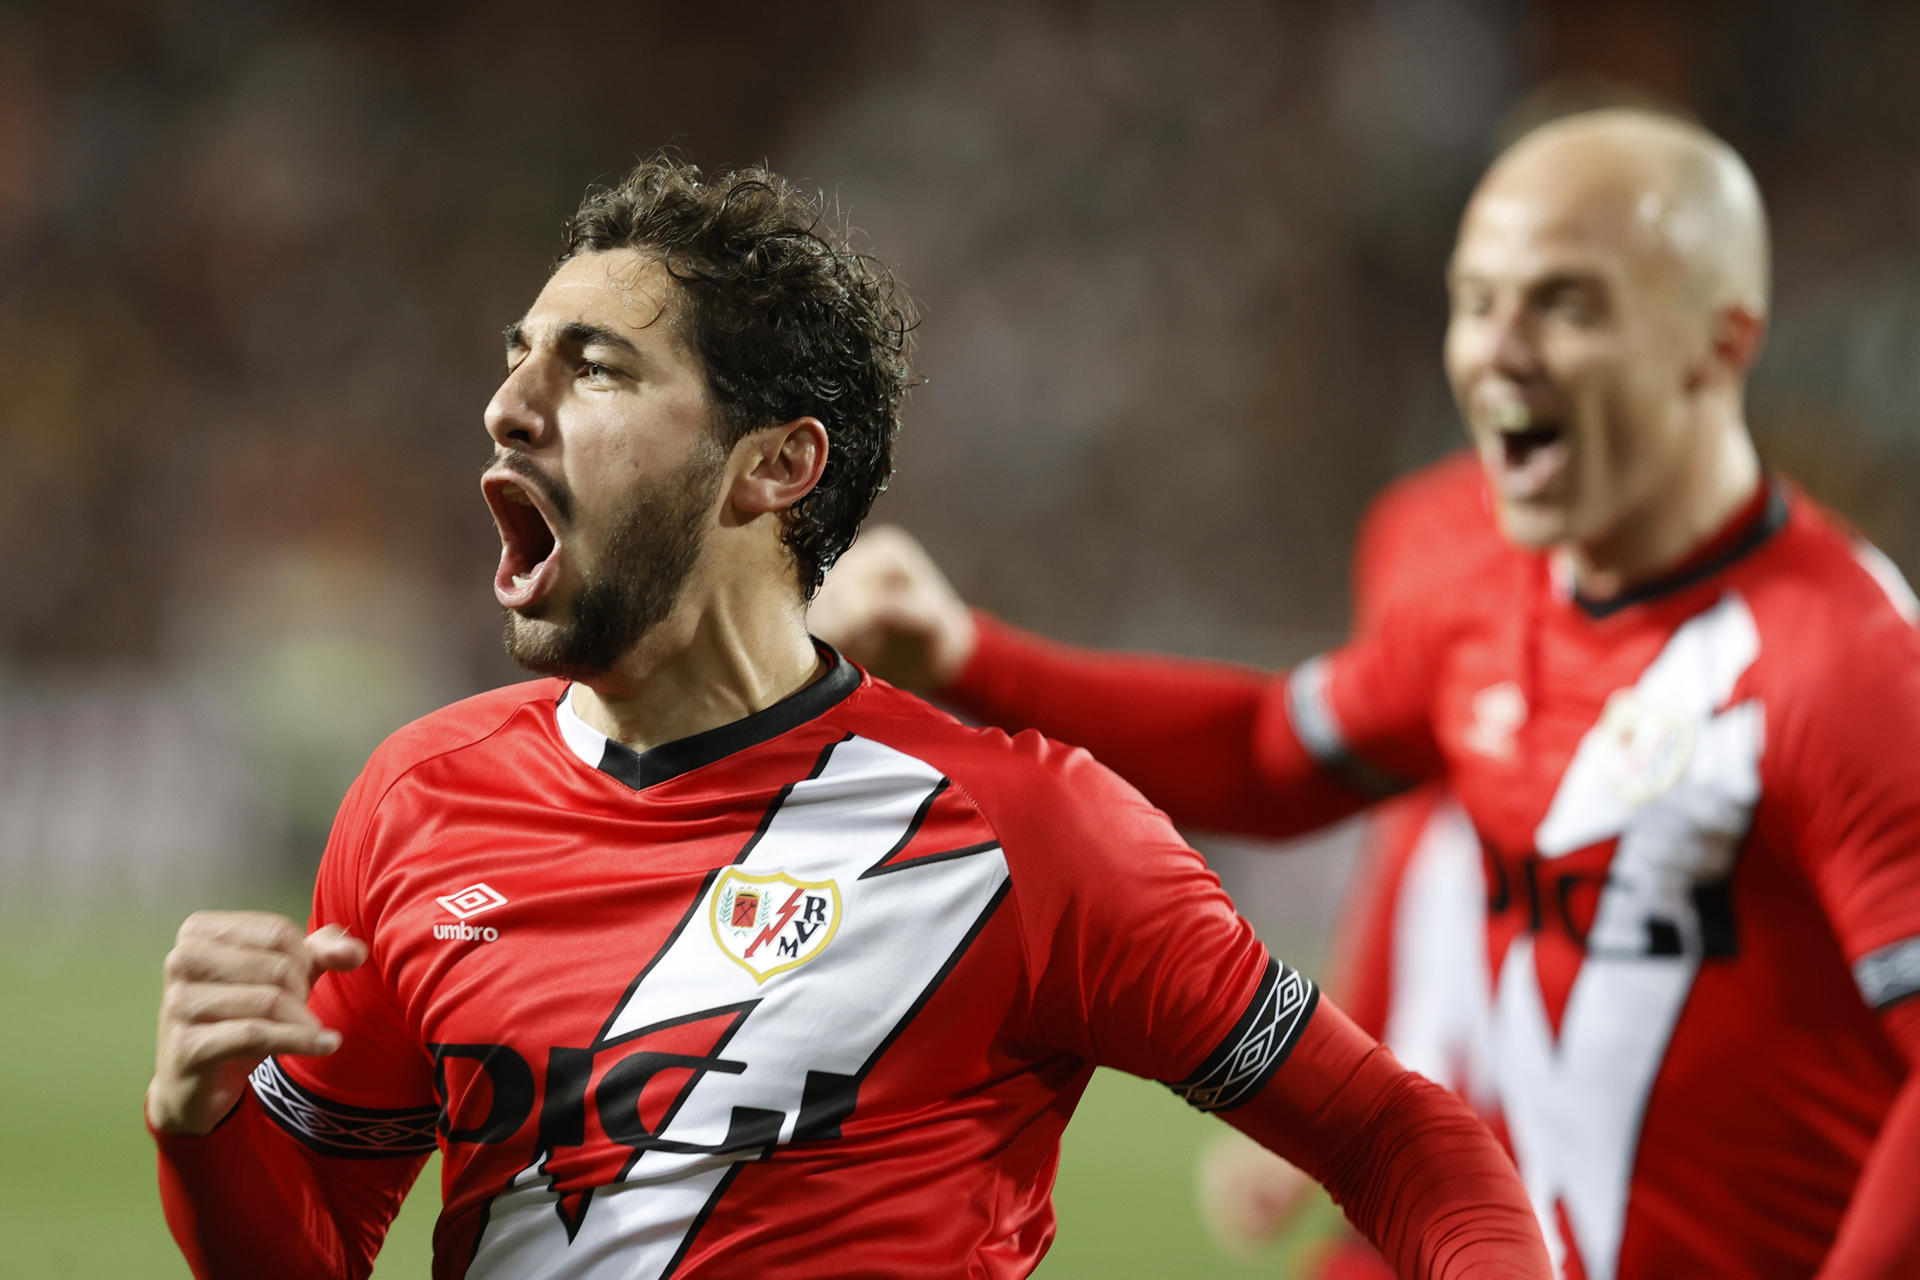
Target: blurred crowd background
[(1179, 268)]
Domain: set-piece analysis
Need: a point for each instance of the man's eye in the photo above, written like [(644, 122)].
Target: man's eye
[(594, 370), (1472, 302), (1576, 306)]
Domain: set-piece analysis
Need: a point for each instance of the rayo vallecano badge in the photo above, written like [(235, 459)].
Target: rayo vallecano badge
[(1648, 747), (770, 924)]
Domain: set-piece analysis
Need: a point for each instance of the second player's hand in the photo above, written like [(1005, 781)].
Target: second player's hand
[(887, 606), (236, 991), (1247, 1196)]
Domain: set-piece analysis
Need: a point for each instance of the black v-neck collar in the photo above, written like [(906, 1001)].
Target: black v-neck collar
[(642, 769), (1770, 519)]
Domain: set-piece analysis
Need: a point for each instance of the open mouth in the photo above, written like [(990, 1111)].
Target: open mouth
[(1520, 446), (530, 550), (1525, 452)]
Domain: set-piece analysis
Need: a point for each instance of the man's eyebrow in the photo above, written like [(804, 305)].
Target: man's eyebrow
[(581, 334), (575, 333)]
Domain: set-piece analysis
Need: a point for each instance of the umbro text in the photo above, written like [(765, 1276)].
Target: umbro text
[(464, 932)]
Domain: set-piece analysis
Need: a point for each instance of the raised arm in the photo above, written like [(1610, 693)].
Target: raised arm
[(1219, 747), (242, 1197)]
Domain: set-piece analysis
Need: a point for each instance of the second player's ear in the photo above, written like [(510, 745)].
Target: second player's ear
[(779, 466), (1738, 333)]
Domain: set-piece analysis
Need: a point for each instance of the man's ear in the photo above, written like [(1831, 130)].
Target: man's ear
[(1739, 331), (779, 466)]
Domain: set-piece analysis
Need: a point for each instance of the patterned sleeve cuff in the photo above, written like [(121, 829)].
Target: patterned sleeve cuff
[(336, 1129), (1258, 1044)]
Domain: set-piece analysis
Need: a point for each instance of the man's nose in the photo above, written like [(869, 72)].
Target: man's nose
[(520, 414), (1515, 349)]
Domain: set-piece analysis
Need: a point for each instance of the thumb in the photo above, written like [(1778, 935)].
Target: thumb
[(332, 947)]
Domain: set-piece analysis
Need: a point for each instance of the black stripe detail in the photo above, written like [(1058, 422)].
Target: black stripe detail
[(700, 1219), (1772, 518), (883, 867), (1258, 1045), (669, 760), (337, 1129), (1889, 975), (913, 826)]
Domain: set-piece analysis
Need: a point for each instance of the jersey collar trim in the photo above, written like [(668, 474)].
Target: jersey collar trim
[(642, 769), (1771, 518)]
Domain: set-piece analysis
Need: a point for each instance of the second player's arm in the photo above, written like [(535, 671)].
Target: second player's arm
[(1219, 747)]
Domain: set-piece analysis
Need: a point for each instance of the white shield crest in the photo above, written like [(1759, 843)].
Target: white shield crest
[(769, 924), (1649, 747)]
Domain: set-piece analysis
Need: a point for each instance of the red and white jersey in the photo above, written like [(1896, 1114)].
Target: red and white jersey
[(821, 984), (1410, 950), (1411, 964), (1700, 809), (1413, 957)]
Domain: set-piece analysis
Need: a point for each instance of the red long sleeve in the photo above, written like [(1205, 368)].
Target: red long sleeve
[(1208, 742), (1412, 1168), (1879, 1238), (247, 1200)]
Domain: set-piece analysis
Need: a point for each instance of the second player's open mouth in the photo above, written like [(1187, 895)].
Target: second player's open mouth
[(530, 550), (1532, 455)]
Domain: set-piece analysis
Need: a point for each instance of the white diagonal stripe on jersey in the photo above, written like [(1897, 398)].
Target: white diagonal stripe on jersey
[(831, 1014), (1574, 1103)]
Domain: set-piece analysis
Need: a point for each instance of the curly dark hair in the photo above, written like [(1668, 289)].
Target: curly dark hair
[(787, 319)]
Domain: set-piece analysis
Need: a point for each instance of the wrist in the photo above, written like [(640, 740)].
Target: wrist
[(960, 640), (169, 1116)]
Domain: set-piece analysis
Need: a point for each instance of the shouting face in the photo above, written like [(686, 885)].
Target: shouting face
[(606, 468), (1592, 274)]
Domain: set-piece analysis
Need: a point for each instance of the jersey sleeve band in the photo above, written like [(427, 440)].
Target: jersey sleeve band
[(1889, 975), (336, 1129), (1258, 1044), (1311, 714)]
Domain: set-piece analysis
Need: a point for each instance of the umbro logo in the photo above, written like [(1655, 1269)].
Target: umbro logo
[(472, 900), (464, 904)]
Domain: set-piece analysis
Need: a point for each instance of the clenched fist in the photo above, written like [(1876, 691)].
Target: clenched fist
[(887, 606), (236, 991)]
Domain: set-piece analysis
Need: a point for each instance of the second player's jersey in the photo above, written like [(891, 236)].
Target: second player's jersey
[(823, 984), (1411, 967), (1700, 810)]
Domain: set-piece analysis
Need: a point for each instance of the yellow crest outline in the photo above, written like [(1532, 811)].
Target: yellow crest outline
[(734, 876)]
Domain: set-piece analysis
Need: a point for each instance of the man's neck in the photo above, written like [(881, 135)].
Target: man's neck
[(698, 673), (1681, 519)]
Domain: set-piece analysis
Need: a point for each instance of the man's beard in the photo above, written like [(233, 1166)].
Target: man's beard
[(637, 578)]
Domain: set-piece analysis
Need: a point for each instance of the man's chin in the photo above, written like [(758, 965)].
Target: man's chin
[(546, 648), (1533, 526)]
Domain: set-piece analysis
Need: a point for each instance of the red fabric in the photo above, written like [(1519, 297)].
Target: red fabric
[(246, 1200), (1880, 1236), (1009, 915), (1423, 532), (1751, 730), (1209, 743), (1406, 1161)]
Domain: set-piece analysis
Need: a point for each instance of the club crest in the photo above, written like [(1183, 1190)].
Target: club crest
[(1648, 747), (769, 924)]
